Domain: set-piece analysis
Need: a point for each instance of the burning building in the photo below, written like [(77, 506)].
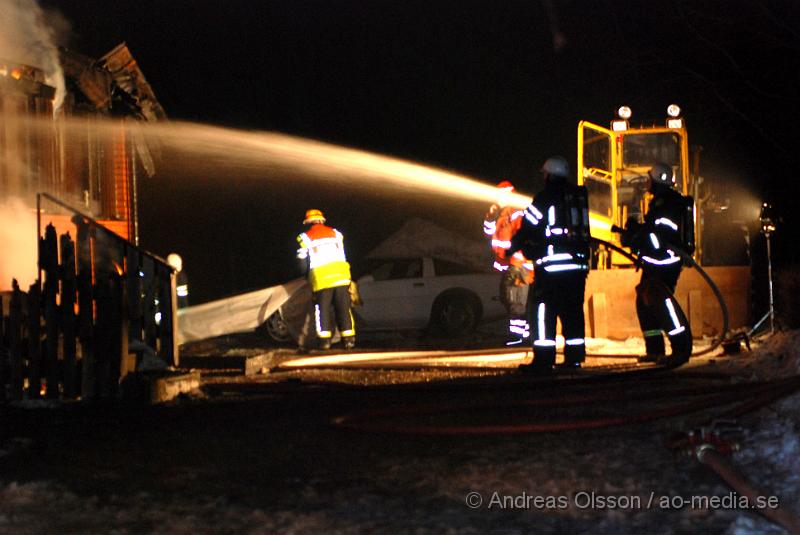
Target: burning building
[(86, 152)]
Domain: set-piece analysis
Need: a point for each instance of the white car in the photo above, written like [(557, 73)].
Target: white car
[(408, 293)]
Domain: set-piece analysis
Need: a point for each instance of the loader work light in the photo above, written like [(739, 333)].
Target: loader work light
[(673, 110), (767, 218), (624, 112)]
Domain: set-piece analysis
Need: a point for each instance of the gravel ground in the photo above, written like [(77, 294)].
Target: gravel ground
[(259, 455)]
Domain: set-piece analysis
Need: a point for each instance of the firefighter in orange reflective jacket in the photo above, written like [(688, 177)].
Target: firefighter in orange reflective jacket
[(321, 253), (500, 224)]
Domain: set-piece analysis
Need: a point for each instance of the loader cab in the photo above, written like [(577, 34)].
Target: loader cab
[(613, 164)]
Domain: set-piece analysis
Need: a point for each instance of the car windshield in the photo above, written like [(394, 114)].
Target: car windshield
[(643, 150)]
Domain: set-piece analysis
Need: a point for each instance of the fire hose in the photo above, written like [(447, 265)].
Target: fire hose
[(752, 396), (715, 460), (716, 342), (707, 445), (711, 445)]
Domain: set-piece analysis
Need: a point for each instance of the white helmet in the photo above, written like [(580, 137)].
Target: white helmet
[(556, 166)]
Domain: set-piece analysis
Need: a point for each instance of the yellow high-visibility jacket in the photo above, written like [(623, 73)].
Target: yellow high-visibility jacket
[(323, 246)]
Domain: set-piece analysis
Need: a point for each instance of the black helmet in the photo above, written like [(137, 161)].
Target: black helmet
[(662, 174), (556, 166)]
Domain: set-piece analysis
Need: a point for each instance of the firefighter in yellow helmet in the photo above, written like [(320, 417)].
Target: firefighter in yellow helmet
[(321, 253)]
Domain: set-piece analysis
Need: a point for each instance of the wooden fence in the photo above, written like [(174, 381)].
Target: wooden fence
[(100, 305)]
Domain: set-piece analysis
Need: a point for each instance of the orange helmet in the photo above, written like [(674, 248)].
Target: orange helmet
[(314, 215), (506, 185)]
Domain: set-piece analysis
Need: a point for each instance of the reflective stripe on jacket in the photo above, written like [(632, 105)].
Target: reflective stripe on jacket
[(323, 246)]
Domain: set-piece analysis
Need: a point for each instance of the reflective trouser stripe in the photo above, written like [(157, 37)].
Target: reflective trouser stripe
[(674, 316), (541, 333), (352, 330), (318, 322), (652, 332)]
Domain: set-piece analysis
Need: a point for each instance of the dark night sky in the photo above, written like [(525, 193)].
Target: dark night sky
[(473, 86)]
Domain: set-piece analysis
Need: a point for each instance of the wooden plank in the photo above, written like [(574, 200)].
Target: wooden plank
[(86, 311), (118, 335), (34, 342), (103, 335), (598, 314), (149, 302), (168, 347), (49, 261), (134, 290), (247, 365), (15, 346), (695, 298), (68, 322), (4, 361)]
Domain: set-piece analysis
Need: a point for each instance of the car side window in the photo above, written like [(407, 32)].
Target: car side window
[(402, 268), (414, 269), (443, 268), (382, 272)]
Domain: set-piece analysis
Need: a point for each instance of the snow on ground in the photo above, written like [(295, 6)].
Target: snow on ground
[(772, 436), (425, 490)]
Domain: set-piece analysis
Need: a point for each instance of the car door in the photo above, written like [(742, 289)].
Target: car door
[(394, 295)]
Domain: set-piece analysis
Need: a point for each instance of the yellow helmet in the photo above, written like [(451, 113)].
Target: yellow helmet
[(314, 215)]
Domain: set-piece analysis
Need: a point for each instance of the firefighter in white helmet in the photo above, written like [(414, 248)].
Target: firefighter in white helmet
[(555, 235), (500, 224), (321, 252)]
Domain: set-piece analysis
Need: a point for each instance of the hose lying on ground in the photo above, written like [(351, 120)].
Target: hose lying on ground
[(691, 261), (717, 462), (376, 420)]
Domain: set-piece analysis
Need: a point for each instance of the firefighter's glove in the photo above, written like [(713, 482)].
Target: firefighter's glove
[(493, 212), (626, 237), (355, 296), (517, 275)]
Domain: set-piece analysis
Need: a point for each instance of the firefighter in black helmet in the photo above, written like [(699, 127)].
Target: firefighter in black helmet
[(555, 235), (668, 226)]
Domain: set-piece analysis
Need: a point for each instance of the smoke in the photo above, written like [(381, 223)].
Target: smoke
[(29, 35), (18, 242)]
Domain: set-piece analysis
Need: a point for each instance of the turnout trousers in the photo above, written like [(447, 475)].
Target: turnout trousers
[(514, 297), (332, 308), (557, 295), (659, 312)]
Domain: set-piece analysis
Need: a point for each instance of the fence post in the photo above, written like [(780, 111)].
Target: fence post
[(15, 343), (68, 314), (49, 255), (149, 307), (167, 339), (4, 350), (34, 341), (86, 310), (133, 284)]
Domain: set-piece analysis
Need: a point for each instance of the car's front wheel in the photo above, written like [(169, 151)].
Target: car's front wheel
[(456, 313), (276, 327)]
